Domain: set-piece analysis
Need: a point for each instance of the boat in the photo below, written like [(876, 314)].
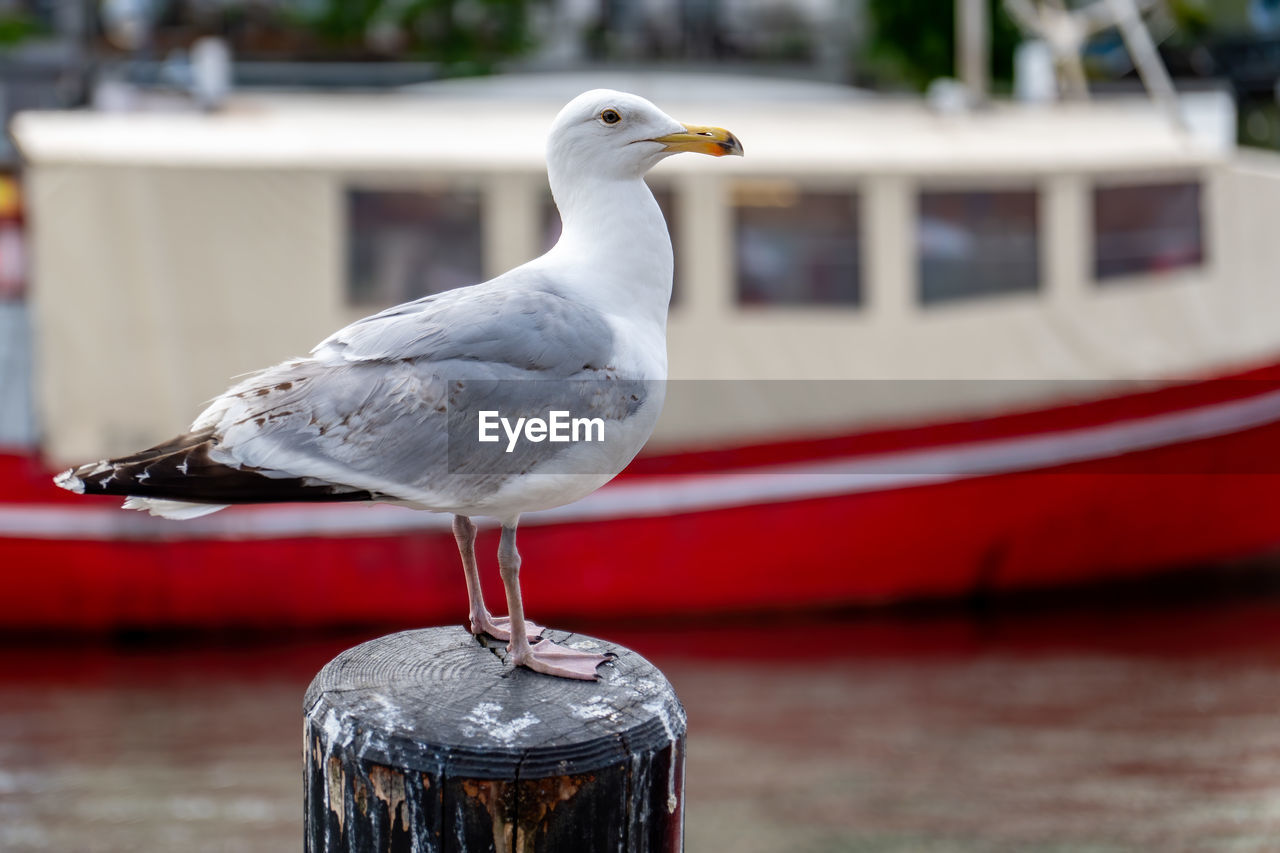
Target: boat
[(916, 351)]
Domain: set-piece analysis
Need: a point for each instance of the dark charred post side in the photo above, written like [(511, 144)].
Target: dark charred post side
[(429, 741)]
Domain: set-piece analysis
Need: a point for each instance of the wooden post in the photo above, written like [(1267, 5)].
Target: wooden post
[(429, 740)]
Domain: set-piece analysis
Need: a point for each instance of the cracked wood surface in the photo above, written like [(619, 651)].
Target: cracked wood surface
[(431, 740)]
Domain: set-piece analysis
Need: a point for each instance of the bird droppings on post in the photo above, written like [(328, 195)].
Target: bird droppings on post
[(332, 727), (508, 760), (594, 708), (660, 711), (486, 717)]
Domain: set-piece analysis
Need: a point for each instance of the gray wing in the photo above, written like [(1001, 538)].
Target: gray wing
[(517, 319), (390, 403)]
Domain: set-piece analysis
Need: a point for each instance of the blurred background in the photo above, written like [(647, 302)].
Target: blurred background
[(959, 530)]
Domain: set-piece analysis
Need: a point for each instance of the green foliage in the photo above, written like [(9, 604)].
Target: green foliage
[(913, 41), (343, 21), (16, 27), (466, 35), (1191, 18)]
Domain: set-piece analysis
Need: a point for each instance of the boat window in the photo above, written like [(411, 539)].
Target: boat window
[(666, 199), (1143, 229), (977, 243), (404, 244), (796, 246)]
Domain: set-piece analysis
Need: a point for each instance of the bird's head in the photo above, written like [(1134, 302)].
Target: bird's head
[(616, 135)]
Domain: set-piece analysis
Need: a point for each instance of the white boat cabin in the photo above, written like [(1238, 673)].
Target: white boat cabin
[(858, 239)]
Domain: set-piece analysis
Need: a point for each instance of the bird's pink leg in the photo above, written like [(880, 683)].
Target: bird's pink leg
[(543, 656), (479, 620)]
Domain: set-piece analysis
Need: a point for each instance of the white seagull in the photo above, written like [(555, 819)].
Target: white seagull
[(390, 408)]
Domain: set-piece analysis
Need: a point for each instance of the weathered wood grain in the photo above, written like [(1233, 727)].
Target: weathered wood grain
[(429, 740)]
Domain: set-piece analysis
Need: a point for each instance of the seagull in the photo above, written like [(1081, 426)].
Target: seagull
[(416, 404)]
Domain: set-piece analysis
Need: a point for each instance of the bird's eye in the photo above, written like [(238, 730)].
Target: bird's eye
[(610, 116)]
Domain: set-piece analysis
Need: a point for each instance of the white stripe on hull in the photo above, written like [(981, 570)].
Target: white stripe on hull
[(682, 493)]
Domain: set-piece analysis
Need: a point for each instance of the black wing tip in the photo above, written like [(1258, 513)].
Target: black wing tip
[(181, 470)]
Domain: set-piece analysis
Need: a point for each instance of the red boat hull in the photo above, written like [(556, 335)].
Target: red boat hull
[(1172, 503)]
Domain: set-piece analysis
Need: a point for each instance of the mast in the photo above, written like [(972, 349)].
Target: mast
[(1066, 30), (973, 47)]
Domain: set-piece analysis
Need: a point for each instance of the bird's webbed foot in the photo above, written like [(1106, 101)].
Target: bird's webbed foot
[(499, 627), (554, 659)]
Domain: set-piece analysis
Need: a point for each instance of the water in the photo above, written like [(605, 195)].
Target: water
[(1090, 726)]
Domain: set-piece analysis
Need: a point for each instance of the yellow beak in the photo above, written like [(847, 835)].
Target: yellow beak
[(715, 141)]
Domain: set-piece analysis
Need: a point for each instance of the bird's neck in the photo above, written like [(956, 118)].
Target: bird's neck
[(615, 233)]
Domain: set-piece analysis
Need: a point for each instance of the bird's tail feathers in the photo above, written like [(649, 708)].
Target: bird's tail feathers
[(183, 478), (177, 510)]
